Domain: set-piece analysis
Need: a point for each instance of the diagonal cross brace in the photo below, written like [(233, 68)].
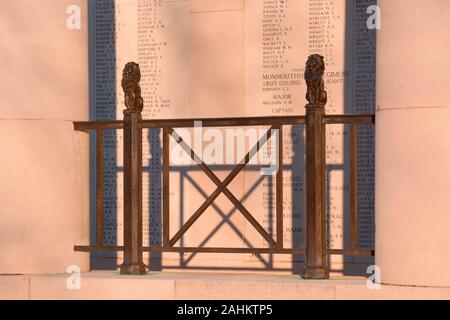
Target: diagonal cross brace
[(222, 188), (225, 220)]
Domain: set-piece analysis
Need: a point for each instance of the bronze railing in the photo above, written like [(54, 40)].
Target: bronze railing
[(315, 122)]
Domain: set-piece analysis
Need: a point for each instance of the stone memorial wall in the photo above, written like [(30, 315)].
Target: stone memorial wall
[(226, 58)]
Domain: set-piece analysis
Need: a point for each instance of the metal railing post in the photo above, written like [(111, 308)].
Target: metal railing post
[(316, 237), (132, 164)]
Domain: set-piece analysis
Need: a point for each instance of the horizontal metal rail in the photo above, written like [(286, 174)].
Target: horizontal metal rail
[(358, 252), (195, 249), (224, 122)]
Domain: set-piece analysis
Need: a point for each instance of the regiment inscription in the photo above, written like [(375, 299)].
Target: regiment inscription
[(167, 39)]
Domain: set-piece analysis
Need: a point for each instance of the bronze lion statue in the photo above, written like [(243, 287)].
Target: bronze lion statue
[(130, 83), (314, 70)]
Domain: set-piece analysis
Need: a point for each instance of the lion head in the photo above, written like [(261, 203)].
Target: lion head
[(315, 67), (131, 75)]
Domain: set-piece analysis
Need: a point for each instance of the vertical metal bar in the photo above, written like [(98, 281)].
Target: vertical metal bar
[(279, 188), (316, 257), (316, 231), (132, 165), (132, 171), (166, 188), (99, 188), (353, 188)]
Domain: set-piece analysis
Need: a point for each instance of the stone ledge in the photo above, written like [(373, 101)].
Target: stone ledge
[(202, 285)]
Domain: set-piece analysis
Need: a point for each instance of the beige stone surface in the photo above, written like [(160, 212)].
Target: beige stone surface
[(217, 66), (14, 287), (110, 287), (215, 5), (412, 196), (208, 286), (44, 195), (413, 149), (44, 64), (413, 69), (43, 162)]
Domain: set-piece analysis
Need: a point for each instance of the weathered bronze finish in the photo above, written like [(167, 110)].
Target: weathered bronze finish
[(279, 191), (132, 90), (315, 121), (99, 188), (132, 178), (316, 249), (314, 70)]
